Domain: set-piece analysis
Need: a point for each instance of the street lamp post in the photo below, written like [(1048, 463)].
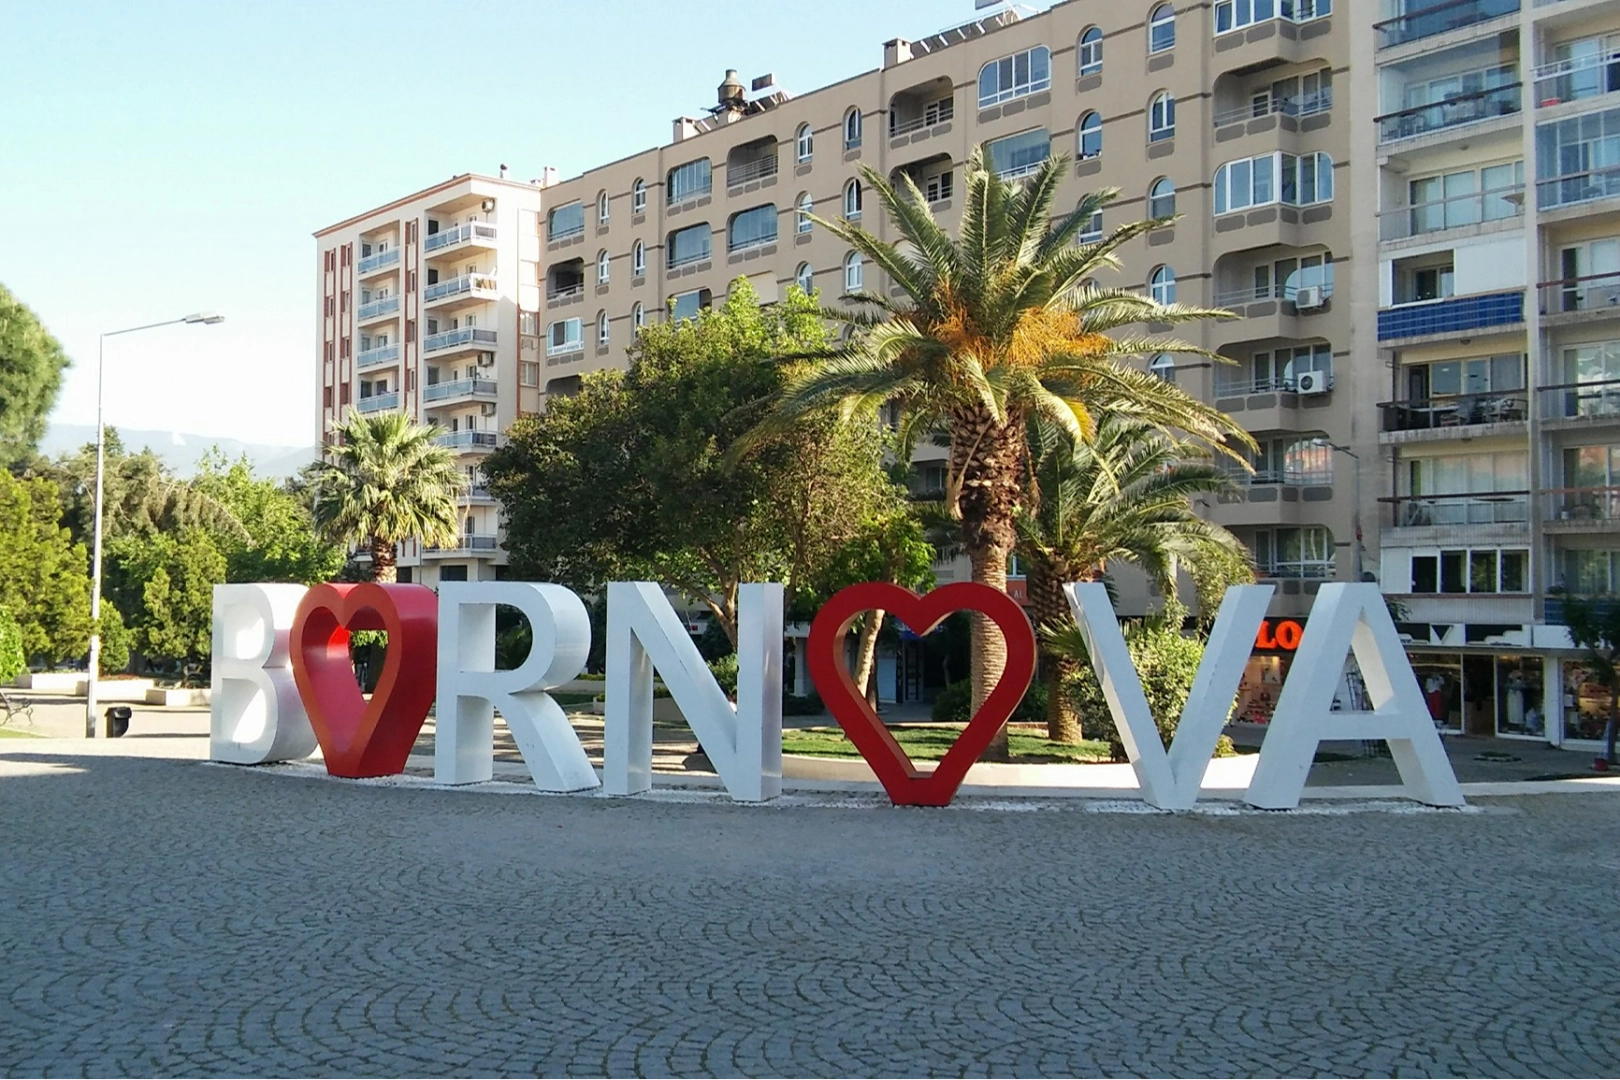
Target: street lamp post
[(206, 318)]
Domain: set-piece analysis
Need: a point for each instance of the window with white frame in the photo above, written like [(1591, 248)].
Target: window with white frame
[(852, 200), (1162, 117), (1015, 76), (564, 337), (1162, 28), (805, 278), (1164, 366), (603, 333), (1162, 285), (601, 207), (638, 260), (1282, 279), (852, 129), (854, 272), (565, 221), (1466, 197), (1089, 136), (1304, 552), (752, 228), (807, 206), (1091, 51), (688, 181), (1270, 178), (638, 317), (1471, 570), (805, 143), (638, 196), (1275, 369), (1021, 154), (1237, 14), (688, 245), (1092, 231), (602, 263), (1162, 198)]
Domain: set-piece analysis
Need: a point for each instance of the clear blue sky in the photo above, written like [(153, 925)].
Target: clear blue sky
[(163, 157)]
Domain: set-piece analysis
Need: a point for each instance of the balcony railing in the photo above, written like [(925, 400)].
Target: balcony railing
[(1284, 477), (460, 388), (562, 292), (379, 261), (906, 127), (756, 169), (1467, 508), (1453, 112), (473, 230), (1451, 315), (466, 335), (1439, 19), (1578, 187), (1590, 292), (1013, 172), (1582, 504), (1274, 385), (471, 542), (378, 402), (466, 283), (1454, 411), (1260, 293), (1596, 400), (382, 354), (469, 440), (376, 309), (1295, 569), (1296, 105), (690, 257), (1453, 213), (1577, 78), (562, 348)]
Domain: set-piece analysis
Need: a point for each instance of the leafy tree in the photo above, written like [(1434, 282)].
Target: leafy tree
[(388, 481), (44, 575), (992, 327), (13, 661), (31, 363), (274, 537), (177, 597), (1594, 623), (1124, 497)]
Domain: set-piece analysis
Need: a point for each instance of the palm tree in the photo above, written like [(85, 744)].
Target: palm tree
[(990, 329), (1126, 496), (388, 480)]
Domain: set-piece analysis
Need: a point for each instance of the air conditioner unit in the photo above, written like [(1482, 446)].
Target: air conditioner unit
[(1308, 297), (1312, 382), (486, 359), (487, 409)]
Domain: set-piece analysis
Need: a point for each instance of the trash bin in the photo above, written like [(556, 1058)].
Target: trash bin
[(118, 720)]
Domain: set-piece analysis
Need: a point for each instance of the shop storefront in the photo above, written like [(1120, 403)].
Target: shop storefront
[(1477, 693)]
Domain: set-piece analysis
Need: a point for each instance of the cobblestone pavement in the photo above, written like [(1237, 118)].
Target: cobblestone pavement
[(177, 918)]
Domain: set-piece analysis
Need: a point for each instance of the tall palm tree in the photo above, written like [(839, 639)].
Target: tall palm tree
[(1126, 496), (388, 480), (989, 329)]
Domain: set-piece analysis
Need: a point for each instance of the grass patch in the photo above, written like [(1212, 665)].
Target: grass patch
[(13, 733), (1027, 743)]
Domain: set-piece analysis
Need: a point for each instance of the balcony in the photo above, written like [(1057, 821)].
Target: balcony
[(1577, 79), (1297, 106), (1593, 402), (1294, 569), (468, 288), (479, 233), (378, 309), (479, 494), (1502, 208), (1579, 187), (1459, 413), (465, 338), (1451, 316), (1439, 19), (468, 544), (382, 260), (1466, 508), (747, 171), (1573, 509), (470, 441), (1455, 111), (378, 402), (382, 354), (448, 393)]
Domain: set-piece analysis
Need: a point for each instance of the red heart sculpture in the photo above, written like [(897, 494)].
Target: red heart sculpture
[(906, 784), (357, 737)]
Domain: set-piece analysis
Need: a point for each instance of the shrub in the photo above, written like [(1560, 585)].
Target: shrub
[(1167, 661), (725, 673), (951, 704), (12, 661), (809, 705)]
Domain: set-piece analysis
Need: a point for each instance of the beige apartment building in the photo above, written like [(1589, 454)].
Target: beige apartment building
[(1350, 177)]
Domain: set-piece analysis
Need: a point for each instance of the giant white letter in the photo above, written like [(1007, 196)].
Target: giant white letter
[(470, 689), (255, 712), (1171, 781), (743, 741), (1351, 617)]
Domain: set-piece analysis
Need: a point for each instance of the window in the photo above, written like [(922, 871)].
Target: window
[(1162, 117), (602, 262), (1466, 489), (564, 337), (1490, 570), (1297, 95), (805, 142), (1290, 460), (1091, 45), (1020, 155), (687, 305), (1269, 178), (1162, 285), (1578, 159), (638, 260), (852, 201), (603, 333), (1093, 230), (1275, 369), (689, 245), (853, 272), (565, 221), (1162, 29), (1164, 366), (638, 196), (637, 317), (1015, 76), (1237, 14), (852, 129), (807, 206), (601, 208), (752, 228), (1466, 197), (688, 181), (805, 278), (1162, 198), (1299, 553), (1090, 135), (1589, 274), (938, 188), (1589, 572), (1283, 279)]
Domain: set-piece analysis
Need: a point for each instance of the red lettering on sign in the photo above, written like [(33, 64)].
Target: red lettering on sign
[(1285, 635)]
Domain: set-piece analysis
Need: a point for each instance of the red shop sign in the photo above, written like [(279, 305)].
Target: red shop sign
[(1283, 634)]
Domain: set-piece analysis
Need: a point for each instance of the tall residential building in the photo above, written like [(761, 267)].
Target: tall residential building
[(1349, 178)]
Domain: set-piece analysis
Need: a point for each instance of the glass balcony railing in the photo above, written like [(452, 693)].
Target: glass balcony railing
[(1578, 187), (1455, 111), (1450, 315), (461, 388), (466, 335), (456, 286), (376, 309), (1593, 504), (1295, 569), (1439, 19), (469, 440), (378, 402), (1590, 292), (1296, 106), (1455, 411), (482, 231), (745, 171), (471, 542), (382, 354), (380, 261), (1463, 508), (1577, 78), (1456, 212), (1597, 399)]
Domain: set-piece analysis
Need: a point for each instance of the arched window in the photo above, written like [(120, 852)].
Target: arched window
[(1162, 198), (806, 205), (638, 260), (1162, 117), (1162, 285), (805, 278), (852, 129), (852, 200), (603, 334), (601, 207), (1164, 366), (1093, 229), (1162, 28), (1090, 135), (854, 272), (637, 316), (1015, 76), (602, 261), (638, 196), (806, 141), (1091, 43)]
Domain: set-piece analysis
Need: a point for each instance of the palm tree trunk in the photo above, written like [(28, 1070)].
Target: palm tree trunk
[(866, 656), (383, 561), (1051, 609), (989, 657), (1062, 719)]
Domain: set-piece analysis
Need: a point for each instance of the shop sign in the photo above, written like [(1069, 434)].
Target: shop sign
[(1283, 635)]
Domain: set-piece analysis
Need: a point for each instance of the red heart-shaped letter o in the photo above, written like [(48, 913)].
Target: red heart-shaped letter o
[(906, 784), (360, 738)]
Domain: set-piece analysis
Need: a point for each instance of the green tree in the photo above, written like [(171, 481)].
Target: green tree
[(1594, 623), (44, 575), (167, 584), (273, 537), (31, 363), (13, 661), (1124, 497), (388, 481), (990, 328)]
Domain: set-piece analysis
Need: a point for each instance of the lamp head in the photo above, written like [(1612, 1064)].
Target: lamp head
[(207, 318)]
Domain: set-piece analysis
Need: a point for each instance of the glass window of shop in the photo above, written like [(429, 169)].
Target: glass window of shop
[(1482, 695), (1586, 703)]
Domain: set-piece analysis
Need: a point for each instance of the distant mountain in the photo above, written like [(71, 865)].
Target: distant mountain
[(180, 451)]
